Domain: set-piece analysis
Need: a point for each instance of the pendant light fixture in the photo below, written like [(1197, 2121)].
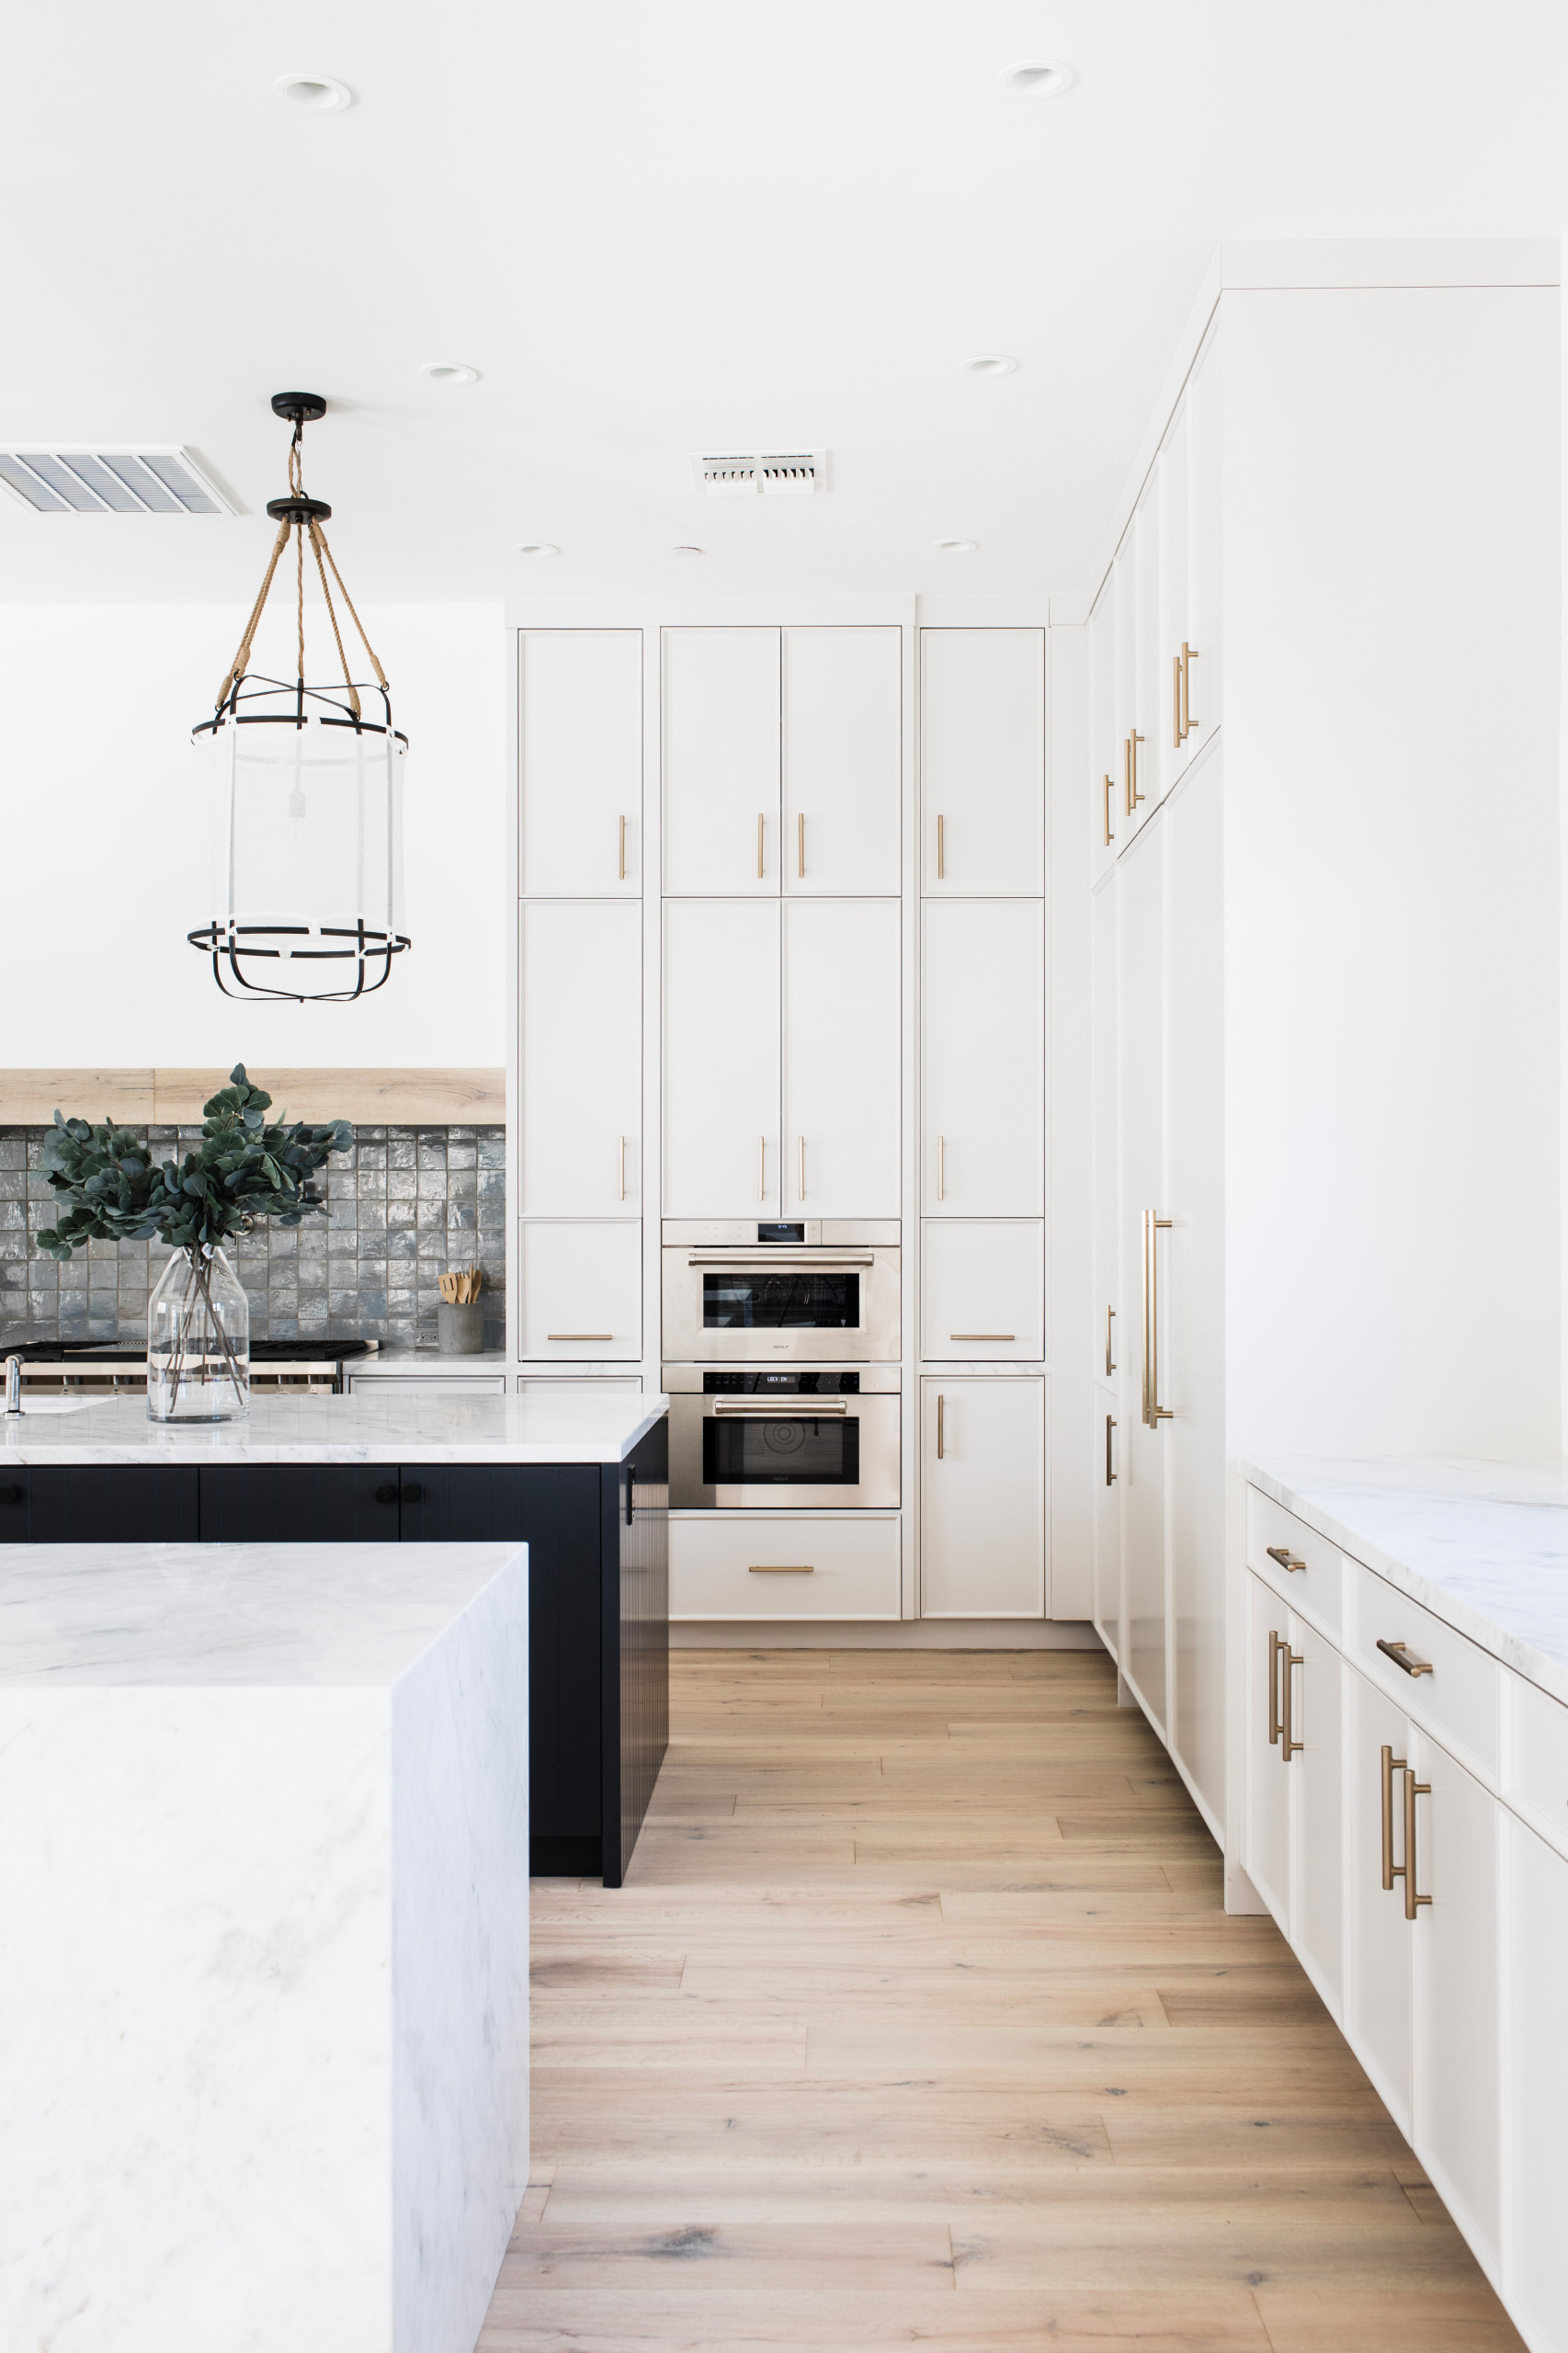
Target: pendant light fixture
[(307, 784)]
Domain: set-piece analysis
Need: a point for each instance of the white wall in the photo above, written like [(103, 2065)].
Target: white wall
[(106, 841)]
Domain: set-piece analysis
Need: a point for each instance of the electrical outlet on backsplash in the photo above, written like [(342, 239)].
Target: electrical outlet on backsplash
[(405, 1207)]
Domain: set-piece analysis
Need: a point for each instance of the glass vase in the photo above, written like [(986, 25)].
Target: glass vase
[(197, 1341)]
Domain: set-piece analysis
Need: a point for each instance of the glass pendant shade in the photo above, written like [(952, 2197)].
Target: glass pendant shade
[(306, 797)]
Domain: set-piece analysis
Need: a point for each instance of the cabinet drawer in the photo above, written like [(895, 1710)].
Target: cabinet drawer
[(1316, 1584), (794, 1567), (1535, 1767), (582, 1290), (983, 1289), (1459, 1699)]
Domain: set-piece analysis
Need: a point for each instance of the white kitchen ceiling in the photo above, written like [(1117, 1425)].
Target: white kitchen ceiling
[(691, 226)]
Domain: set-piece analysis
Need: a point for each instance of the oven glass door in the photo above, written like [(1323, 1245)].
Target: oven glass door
[(780, 1448), (753, 1298)]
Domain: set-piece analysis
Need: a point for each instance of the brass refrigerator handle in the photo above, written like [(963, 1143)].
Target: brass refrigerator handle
[(1154, 1411), (941, 852), (1275, 1647), (801, 843), (1109, 836), (1392, 1870), (1109, 1358), (761, 820), (620, 875), (1291, 1745), (1176, 701), (940, 1433), (1109, 1473), (1412, 1790)]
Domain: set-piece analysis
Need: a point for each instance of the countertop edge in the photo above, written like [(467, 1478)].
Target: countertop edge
[(195, 1445)]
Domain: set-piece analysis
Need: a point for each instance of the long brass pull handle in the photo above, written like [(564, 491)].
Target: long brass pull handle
[(1412, 1790), (801, 843), (1392, 1870), (1109, 1473), (579, 1336), (941, 1435), (1404, 1656), (761, 822), (1286, 1559), (941, 1168), (941, 853), (1109, 836), (1275, 1647), (623, 1168), (1110, 1360), (620, 870), (1188, 656), (781, 1569), (1127, 775), (1154, 1411), (1291, 1746), (762, 1168), (981, 1335), (1176, 701), (800, 1172), (1133, 742)]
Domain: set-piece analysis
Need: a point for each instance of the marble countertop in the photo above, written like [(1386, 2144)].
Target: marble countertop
[(1482, 1545), (255, 1615), (376, 1426), (398, 1364)]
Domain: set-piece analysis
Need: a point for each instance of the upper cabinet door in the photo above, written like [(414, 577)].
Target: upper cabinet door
[(580, 762), (580, 1057), (843, 761), (721, 739), (842, 1058), (721, 1142), (1178, 669), (1204, 461), (1105, 784), (982, 762), (1130, 800), (1150, 681), (982, 1051)]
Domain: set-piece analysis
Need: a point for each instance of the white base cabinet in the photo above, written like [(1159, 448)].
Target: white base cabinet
[(982, 1498), (754, 1564)]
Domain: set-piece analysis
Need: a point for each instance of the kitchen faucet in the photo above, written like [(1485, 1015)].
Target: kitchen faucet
[(13, 1385)]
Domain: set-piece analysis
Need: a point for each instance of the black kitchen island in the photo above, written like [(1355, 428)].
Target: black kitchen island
[(583, 1482)]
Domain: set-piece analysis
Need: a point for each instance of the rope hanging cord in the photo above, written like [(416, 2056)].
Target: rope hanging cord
[(320, 551)]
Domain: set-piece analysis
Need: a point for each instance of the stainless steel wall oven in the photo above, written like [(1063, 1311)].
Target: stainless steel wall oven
[(769, 1439), (814, 1291)]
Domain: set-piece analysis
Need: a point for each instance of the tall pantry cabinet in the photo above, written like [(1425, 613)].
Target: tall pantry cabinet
[(1321, 814)]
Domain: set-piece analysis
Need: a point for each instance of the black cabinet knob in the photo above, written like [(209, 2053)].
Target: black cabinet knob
[(10, 1494), (387, 1493), (413, 1493)]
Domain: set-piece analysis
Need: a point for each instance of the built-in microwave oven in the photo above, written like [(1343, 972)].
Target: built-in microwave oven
[(816, 1290), (769, 1438)]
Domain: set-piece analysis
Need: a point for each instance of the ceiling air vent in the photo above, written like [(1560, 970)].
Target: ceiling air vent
[(99, 481), (769, 474)]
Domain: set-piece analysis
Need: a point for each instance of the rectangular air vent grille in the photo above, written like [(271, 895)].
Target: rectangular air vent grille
[(769, 474), (100, 481)]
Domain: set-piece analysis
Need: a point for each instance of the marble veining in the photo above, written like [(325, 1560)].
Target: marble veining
[(1482, 1545), (383, 1425)]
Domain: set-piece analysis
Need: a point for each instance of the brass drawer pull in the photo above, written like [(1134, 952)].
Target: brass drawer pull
[(941, 850), (1403, 1657), (761, 822), (1286, 1557), (981, 1335), (782, 1569), (1109, 1342), (621, 872), (801, 843), (579, 1336)]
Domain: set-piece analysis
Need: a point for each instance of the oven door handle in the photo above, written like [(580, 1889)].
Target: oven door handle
[(784, 1409), (814, 1262)]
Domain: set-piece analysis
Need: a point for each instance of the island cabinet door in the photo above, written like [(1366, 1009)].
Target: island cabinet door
[(100, 1504), (298, 1503)]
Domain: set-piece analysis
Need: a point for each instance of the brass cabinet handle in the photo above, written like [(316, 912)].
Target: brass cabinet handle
[(1404, 1656), (941, 853), (579, 1336), (1109, 836), (801, 843), (800, 1172), (620, 875), (1286, 1557), (762, 1168), (1154, 1411), (623, 1168), (1412, 1790), (982, 1336), (781, 1569), (1275, 1647), (1289, 1746), (941, 1168), (761, 822), (1188, 656), (1109, 1473), (1392, 1870), (1176, 700), (940, 1433), (1130, 766), (1110, 1360)]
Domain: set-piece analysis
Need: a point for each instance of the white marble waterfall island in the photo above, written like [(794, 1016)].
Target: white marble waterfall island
[(262, 1943)]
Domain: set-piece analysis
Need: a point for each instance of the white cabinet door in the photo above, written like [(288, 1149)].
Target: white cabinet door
[(1110, 1337), (1105, 786), (721, 758), (843, 761), (982, 1288), (580, 762), (1205, 458), (1377, 1934), (982, 760), (1268, 1848), (983, 1498), (1176, 741), (1189, 1266), (1458, 2023), (721, 1059), (1108, 1440), (1141, 1135), (842, 1058), (1150, 700), (1535, 2259), (581, 1290), (1317, 1839), (580, 1056), (1131, 800), (982, 1053)]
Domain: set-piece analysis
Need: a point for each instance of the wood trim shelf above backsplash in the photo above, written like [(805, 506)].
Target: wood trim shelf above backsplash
[(137, 1098)]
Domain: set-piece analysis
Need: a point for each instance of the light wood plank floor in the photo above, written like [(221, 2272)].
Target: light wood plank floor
[(919, 2022)]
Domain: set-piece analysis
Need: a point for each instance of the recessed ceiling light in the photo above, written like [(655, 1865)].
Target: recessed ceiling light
[(686, 551), (314, 93), (955, 547), (1034, 77), (448, 371), (539, 547), (991, 363)]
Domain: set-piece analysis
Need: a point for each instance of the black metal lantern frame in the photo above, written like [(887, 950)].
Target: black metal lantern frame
[(307, 786)]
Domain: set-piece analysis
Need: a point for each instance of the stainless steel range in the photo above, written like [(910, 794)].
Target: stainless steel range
[(815, 1292)]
